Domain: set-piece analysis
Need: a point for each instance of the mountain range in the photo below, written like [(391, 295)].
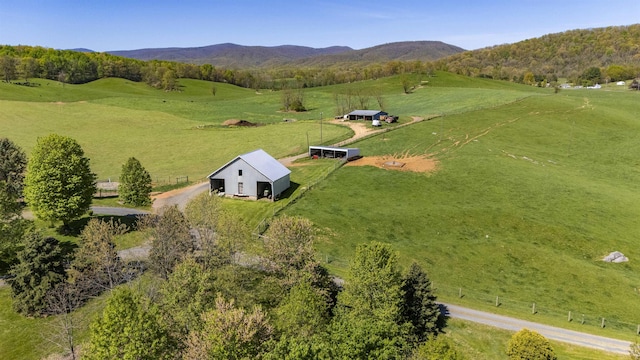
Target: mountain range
[(238, 56)]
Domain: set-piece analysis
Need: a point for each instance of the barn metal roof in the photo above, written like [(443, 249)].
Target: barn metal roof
[(365, 112), (264, 163)]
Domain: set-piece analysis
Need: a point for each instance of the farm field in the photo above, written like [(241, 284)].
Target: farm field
[(525, 201), (530, 188)]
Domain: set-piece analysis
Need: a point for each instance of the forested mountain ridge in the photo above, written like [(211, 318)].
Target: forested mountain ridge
[(242, 57), (615, 50), (398, 51), (231, 55)]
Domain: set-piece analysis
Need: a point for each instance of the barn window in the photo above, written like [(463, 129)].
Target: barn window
[(240, 172)]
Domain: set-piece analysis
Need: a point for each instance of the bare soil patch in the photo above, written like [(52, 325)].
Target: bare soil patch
[(423, 164), (238, 122)]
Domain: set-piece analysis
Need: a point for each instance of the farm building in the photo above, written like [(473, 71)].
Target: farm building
[(333, 152), (366, 115), (254, 175)]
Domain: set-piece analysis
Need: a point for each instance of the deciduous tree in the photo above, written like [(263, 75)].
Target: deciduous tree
[(8, 67), (59, 184), (170, 240), (96, 266), (529, 345), (375, 286), (437, 348), (303, 312), (129, 328), (187, 293), (135, 184), (368, 322), (220, 235), (229, 333)]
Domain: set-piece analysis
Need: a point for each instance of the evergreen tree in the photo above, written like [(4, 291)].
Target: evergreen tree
[(419, 307), (13, 163), (40, 268), (12, 227), (129, 328), (135, 184), (59, 184)]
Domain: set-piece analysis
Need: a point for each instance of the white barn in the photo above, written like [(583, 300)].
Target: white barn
[(255, 175)]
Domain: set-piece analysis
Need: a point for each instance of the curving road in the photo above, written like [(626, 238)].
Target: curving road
[(550, 332)]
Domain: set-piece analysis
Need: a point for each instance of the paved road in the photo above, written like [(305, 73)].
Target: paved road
[(179, 197), (550, 332)]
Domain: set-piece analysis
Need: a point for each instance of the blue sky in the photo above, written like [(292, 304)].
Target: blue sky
[(104, 25)]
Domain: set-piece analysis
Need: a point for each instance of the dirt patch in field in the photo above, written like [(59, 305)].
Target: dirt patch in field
[(238, 122), (422, 164)]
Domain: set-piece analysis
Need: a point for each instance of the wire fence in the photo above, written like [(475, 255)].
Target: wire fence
[(511, 306), (295, 196)]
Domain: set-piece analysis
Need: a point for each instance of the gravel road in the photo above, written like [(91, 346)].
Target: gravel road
[(550, 332)]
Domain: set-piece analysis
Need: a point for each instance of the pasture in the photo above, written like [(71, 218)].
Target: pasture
[(526, 200), (531, 188)]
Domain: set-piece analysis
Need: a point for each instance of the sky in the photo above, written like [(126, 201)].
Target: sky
[(108, 25)]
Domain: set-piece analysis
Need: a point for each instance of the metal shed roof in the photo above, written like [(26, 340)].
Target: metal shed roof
[(262, 162), (365, 112)]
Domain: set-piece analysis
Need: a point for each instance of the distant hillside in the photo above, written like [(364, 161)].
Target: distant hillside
[(231, 55), (397, 51), (238, 56), (615, 50)]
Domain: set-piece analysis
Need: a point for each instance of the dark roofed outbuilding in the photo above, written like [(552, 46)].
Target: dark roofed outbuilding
[(366, 114)]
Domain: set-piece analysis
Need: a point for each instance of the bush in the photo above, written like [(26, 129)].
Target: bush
[(529, 345)]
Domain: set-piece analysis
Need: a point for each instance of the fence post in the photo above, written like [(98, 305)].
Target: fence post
[(582, 322), (602, 324), (497, 301), (533, 308), (460, 293), (569, 317)]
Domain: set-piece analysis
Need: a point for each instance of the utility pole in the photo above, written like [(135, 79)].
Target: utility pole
[(321, 127)]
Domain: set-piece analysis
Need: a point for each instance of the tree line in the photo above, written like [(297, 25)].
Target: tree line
[(73, 67), (613, 50)]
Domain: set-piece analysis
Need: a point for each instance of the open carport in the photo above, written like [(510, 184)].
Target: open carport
[(333, 152)]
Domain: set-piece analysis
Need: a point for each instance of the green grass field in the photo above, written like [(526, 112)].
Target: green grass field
[(527, 198), (532, 188)]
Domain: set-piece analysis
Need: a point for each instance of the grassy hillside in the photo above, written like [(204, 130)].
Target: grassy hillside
[(526, 200), (531, 189)]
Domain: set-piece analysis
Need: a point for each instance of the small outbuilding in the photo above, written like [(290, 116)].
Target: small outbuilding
[(254, 175), (366, 115), (333, 152)]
